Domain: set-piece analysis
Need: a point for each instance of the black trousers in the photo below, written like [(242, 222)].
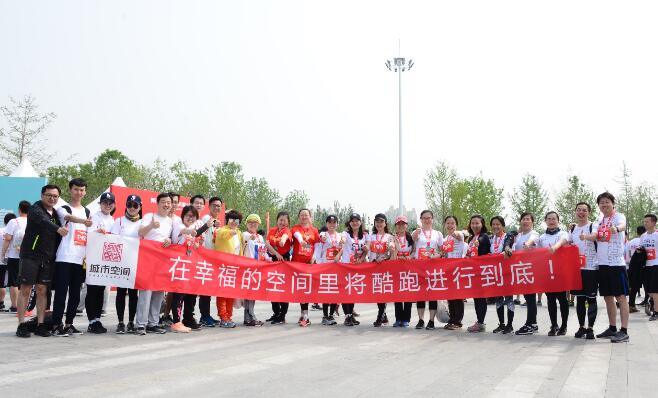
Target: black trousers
[(94, 301), (66, 281), (562, 298), (328, 309), (456, 311), (182, 307), (121, 303), (347, 308), (403, 312), (531, 302), (480, 309), (204, 306), (433, 305), (381, 310), (591, 310)]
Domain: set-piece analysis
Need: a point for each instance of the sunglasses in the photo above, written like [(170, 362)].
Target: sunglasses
[(132, 205)]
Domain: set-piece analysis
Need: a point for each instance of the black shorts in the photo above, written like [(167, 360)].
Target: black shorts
[(12, 272), (590, 280), (651, 279), (3, 273), (32, 271), (613, 280)]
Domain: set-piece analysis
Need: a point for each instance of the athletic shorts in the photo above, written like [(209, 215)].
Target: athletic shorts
[(12, 271), (651, 279), (590, 284), (613, 280), (33, 271)]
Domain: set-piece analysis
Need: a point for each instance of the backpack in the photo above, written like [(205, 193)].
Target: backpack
[(590, 231), (70, 211)]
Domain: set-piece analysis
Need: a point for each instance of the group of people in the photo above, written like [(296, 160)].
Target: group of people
[(45, 250)]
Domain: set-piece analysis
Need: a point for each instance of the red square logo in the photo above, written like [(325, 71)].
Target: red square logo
[(112, 252)]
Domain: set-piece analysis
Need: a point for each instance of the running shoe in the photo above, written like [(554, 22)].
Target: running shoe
[(562, 331), (477, 327), (130, 328), (620, 337), (72, 330), (178, 327), (304, 323), (582, 332), (270, 319), (254, 322), (420, 324), (331, 321), (385, 320), (227, 324), (397, 324), (42, 330), (316, 307), (192, 324), (608, 333), (525, 330), (590, 334), (553, 330), (508, 329), (121, 328), (430, 325), (377, 323), (355, 322), (140, 331), (325, 321), (166, 320), (96, 328), (654, 316), (208, 321), (279, 320), (59, 331), (155, 329), (13, 310), (348, 320), (500, 328), (23, 330), (405, 324)]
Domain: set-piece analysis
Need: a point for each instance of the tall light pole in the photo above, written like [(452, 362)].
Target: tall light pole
[(399, 65)]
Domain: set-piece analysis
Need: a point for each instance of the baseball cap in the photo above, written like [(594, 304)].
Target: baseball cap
[(355, 216), (253, 218), (380, 216), (400, 219), (331, 218), (134, 199), (107, 197)]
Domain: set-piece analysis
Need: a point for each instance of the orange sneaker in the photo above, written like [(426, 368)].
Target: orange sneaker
[(180, 328), (29, 313)]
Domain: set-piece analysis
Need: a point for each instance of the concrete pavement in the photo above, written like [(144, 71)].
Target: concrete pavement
[(287, 360)]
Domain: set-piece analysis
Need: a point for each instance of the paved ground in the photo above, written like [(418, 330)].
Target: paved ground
[(287, 360)]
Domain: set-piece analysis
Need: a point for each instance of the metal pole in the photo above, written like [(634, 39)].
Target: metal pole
[(401, 211)]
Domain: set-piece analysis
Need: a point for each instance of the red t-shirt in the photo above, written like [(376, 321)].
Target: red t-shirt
[(274, 239), (311, 236)]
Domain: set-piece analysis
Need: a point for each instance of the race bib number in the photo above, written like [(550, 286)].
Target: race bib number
[(306, 251), (603, 234), (262, 251), (583, 261), (424, 252), (331, 253), (651, 253), (80, 237), (378, 247), (448, 246), (404, 255)]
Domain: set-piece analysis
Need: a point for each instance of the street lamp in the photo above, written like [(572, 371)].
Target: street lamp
[(399, 65)]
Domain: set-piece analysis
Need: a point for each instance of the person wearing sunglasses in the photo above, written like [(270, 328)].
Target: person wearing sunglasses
[(128, 226)]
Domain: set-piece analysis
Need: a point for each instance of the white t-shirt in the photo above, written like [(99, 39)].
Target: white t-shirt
[(611, 252), (101, 221), (326, 251), (73, 247), (254, 248), (631, 246), (585, 247), (650, 244), (352, 246), (15, 228), (161, 233), (459, 247), (428, 243), (209, 234), (236, 244), (522, 238), (497, 243), (548, 240), (124, 227), (379, 243)]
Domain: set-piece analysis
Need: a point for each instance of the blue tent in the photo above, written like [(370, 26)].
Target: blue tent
[(22, 184)]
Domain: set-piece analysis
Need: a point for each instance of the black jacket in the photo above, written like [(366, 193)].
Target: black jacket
[(41, 238)]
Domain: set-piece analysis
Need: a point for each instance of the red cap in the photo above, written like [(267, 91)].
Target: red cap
[(400, 219)]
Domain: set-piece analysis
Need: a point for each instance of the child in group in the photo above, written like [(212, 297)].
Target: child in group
[(228, 239), (254, 247)]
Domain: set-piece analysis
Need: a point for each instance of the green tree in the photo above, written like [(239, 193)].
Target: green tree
[(635, 201), (341, 212), (439, 190), (228, 181), (529, 196), (295, 200), (476, 195), (24, 136), (573, 192), (260, 198)]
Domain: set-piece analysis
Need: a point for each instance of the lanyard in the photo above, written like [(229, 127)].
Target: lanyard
[(428, 238)]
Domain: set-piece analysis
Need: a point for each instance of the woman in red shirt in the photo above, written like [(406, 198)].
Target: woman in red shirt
[(305, 236), (279, 242)]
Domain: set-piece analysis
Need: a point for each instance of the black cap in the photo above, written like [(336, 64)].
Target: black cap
[(355, 215), (134, 199), (107, 197), (380, 216), (331, 218)]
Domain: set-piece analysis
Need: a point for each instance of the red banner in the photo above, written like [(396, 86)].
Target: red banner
[(213, 273), (149, 203)]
